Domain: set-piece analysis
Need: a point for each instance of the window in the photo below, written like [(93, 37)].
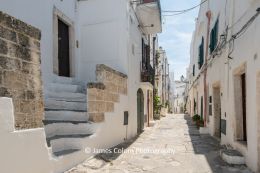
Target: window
[(193, 71), (210, 105), (201, 53), (214, 37)]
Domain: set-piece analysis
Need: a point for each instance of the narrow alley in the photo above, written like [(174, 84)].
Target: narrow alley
[(192, 152)]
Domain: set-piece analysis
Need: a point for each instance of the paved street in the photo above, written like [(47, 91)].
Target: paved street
[(193, 153)]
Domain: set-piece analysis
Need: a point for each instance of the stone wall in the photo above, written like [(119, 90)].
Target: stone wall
[(20, 76), (105, 93)]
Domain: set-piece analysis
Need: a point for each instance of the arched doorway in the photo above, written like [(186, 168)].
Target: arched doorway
[(140, 111)]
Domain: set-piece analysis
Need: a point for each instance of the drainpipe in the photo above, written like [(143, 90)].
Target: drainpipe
[(208, 14)]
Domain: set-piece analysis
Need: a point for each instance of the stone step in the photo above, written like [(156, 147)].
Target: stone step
[(64, 80), (66, 142), (69, 128), (59, 87), (232, 157), (65, 152), (66, 115), (51, 104), (66, 96)]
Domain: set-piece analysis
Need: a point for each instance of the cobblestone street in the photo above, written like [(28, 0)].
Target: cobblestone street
[(194, 153)]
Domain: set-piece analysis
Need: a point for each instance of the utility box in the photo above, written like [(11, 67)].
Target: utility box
[(126, 118)]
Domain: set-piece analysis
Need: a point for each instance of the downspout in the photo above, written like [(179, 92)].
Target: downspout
[(208, 14)]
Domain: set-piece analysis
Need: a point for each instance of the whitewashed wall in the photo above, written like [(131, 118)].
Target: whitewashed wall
[(246, 50), (40, 14)]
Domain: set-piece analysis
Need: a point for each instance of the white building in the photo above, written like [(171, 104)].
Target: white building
[(172, 90), (162, 79), (224, 85), (179, 96), (76, 36)]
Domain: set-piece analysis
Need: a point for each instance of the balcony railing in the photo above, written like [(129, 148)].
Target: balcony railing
[(147, 73)]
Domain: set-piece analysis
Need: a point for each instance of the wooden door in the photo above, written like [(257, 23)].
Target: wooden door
[(63, 49), (243, 84), (140, 111)]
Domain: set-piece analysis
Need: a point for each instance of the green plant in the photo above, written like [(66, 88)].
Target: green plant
[(201, 122), (196, 118), (157, 105)]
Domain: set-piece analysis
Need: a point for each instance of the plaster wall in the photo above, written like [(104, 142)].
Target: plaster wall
[(222, 69)]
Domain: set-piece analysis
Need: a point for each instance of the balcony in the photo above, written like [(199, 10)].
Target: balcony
[(149, 15), (147, 73)]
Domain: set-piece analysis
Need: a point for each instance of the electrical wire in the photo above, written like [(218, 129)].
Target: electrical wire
[(178, 12)]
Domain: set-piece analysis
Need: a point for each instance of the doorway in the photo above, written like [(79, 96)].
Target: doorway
[(240, 104), (63, 49), (217, 111), (243, 86), (201, 107), (140, 111)]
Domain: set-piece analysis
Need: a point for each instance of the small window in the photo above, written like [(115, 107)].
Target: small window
[(193, 71), (214, 37), (201, 53)]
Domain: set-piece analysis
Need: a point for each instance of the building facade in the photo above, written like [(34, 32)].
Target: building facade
[(179, 96), (162, 78), (80, 65), (224, 74)]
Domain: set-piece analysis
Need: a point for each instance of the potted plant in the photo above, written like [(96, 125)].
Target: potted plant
[(157, 108)]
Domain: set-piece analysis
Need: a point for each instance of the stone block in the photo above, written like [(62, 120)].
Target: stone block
[(14, 80), (35, 44), (1, 77), (92, 106), (4, 92), (23, 40), (109, 76), (35, 57), (3, 47), (96, 117), (115, 98), (109, 107), (10, 64), (100, 95), (91, 94), (19, 26), (108, 96), (20, 75), (96, 85), (19, 52), (27, 106), (20, 119), (8, 34), (122, 90)]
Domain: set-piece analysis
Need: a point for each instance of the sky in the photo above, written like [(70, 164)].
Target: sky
[(177, 34)]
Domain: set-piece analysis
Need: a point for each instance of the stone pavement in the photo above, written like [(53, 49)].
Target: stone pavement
[(183, 150)]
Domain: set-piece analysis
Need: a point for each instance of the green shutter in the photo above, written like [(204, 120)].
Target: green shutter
[(214, 37), (201, 53)]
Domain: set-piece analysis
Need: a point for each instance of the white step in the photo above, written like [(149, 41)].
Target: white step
[(67, 142), (67, 96), (69, 129), (64, 80), (232, 157), (66, 115), (51, 104), (59, 87)]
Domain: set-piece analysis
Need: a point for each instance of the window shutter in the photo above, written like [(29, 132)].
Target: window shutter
[(194, 70), (201, 53)]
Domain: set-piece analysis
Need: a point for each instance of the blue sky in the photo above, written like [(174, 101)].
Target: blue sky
[(177, 34)]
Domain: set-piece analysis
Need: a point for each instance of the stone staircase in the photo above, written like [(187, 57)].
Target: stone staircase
[(66, 119)]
